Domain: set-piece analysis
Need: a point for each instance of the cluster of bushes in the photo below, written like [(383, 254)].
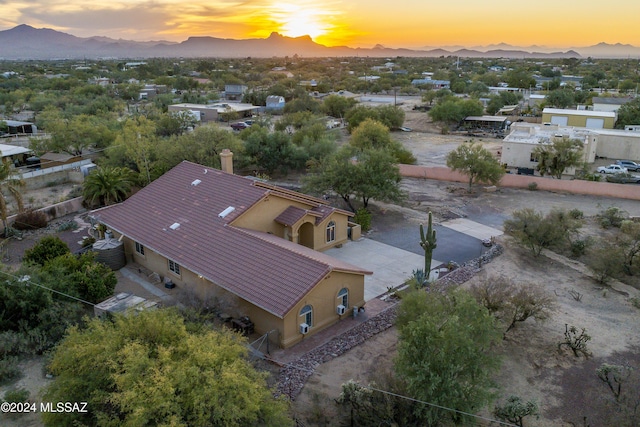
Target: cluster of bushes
[(615, 255), (40, 301)]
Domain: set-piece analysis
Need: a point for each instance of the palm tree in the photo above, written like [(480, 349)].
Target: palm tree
[(11, 185), (107, 185)]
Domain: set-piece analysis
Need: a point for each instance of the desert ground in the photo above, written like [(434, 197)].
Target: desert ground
[(566, 388)]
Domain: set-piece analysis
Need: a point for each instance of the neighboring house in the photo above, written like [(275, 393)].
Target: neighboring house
[(214, 112), (275, 102), (16, 127), (234, 91), (579, 118), (518, 146), (435, 84), (250, 245), (50, 160), (609, 103)]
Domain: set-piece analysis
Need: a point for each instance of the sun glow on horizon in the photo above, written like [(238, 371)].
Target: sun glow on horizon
[(295, 20)]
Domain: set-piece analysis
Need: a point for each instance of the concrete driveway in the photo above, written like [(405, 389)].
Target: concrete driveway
[(391, 266)]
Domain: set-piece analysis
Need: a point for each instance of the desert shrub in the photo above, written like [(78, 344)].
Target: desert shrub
[(9, 369), (363, 217), (404, 156), (514, 410), (579, 247), (68, 225), (533, 186), (511, 302), (536, 231), (30, 220), (576, 340), (576, 213), (612, 217), (605, 260), (88, 241), (18, 395)]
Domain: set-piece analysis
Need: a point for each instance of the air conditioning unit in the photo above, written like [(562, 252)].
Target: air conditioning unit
[(304, 328), (340, 309)]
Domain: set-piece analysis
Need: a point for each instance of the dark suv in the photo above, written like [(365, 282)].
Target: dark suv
[(239, 126), (631, 166)]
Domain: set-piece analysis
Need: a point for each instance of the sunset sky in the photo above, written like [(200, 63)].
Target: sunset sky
[(355, 23)]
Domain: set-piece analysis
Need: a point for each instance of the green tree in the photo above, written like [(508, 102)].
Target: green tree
[(12, 186), (336, 105), (555, 158), (476, 162), (371, 134), (272, 150), (630, 244), (629, 114), (81, 276), (358, 114), (47, 248), (519, 78), (138, 136), (453, 110), (107, 185), (352, 173), (444, 353), (153, 369), (560, 98)]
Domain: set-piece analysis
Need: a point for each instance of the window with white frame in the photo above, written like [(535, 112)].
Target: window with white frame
[(139, 248), (343, 297), (331, 231), (307, 315), (174, 267)]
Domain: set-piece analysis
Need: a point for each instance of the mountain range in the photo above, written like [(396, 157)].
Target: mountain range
[(26, 42)]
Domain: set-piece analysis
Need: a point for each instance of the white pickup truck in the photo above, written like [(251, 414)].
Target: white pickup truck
[(612, 169)]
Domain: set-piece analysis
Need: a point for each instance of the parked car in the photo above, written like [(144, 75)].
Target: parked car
[(612, 169), (624, 178), (239, 126), (631, 166)]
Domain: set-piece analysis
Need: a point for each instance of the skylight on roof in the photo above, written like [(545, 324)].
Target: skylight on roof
[(196, 182), (175, 226), (226, 212)]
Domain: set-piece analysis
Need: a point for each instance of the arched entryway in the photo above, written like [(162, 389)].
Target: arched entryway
[(305, 235)]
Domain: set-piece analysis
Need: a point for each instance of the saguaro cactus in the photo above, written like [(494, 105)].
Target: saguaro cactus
[(428, 243)]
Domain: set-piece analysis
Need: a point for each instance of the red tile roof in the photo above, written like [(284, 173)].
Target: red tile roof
[(265, 270)]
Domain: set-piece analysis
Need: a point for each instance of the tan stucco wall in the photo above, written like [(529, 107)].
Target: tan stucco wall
[(619, 146), (261, 217), (323, 298), (324, 301)]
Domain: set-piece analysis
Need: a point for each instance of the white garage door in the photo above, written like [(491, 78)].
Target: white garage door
[(559, 120), (595, 123)]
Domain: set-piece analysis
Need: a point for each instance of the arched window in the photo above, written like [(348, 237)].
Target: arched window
[(331, 231), (343, 297), (307, 314)]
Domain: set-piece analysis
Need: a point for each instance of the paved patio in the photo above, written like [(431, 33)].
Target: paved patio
[(391, 266)]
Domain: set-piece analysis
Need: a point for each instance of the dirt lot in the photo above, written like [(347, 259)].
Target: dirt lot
[(566, 388)]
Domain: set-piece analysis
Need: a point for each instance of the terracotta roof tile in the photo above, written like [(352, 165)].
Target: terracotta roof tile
[(270, 274)]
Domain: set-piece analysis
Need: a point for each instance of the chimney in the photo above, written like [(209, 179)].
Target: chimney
[(226, 161)]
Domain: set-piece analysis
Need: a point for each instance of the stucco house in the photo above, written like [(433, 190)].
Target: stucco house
[(253, 246)]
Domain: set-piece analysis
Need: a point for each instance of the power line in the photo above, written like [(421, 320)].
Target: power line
[(310, 371), (27, 282), (438, 406)]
